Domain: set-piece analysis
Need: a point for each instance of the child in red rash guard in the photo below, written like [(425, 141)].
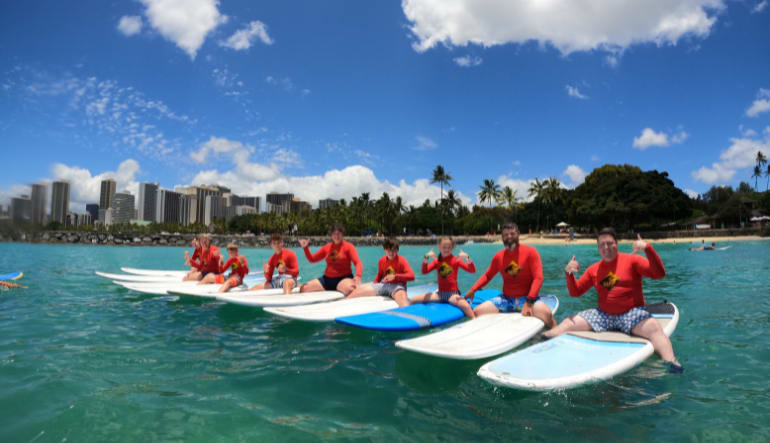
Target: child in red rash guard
[(339, 256), (285, 262), (238, 266), (446, 266), (393, 273), (209, 261)]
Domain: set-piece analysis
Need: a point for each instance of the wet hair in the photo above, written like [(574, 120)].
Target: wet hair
[(275, 237), (336, 227), (231, 246), (511, 225), (446, 237), (607, 231), (390, 243)]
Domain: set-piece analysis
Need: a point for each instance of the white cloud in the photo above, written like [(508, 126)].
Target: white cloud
[(651, 138), (468, 61), (759, 7), (218, 145), (14, 191), (285, 83), (425, 143), (595, 158), (569, 26), (741, 154), (573, 91), (761, 104), (184, 22), (575, 173), (130, 25), (692, 194), (244, 38), (520, 186), (85, 187)]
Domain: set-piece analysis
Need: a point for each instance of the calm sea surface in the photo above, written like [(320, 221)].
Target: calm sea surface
[(84, 360)]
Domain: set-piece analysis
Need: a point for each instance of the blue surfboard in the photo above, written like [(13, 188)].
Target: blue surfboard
[(413, 317), (11, 276)]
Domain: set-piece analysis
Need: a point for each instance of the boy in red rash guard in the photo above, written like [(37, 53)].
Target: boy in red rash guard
[(393, 273), (617, 279), (285, 262), (195, 273), (238, 266), (447, 265), (339, 255), (209, 261), (522, 273)]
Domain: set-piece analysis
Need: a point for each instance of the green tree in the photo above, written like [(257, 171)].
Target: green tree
[(757, 173), (441, 177), (537, 189)]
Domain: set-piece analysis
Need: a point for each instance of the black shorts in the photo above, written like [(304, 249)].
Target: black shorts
[(330, 283)]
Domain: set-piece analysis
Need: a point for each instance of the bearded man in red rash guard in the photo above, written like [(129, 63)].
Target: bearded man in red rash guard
[(522, 273), (617, 279)]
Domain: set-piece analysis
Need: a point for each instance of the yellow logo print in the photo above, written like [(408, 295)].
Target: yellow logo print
[(334, 255), (609, 281), (513, 269), (390, 270), (444, 270)]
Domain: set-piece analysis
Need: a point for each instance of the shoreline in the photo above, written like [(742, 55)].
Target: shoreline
[(533, 239)]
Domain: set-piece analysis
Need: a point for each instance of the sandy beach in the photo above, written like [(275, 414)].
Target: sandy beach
[(534, 239)]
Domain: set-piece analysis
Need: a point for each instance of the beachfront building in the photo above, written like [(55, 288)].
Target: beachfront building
[(107, 193), (215, 208), (60, 201), (201, 192), (123, 206), (279, 203), (327, 203), (93, 209), (147, 204), (298, 206), (168, 206), (188, 204), (21, 209), (234, 200), (39, 200)]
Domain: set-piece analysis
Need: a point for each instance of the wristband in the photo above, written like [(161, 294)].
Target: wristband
[(529, 301)]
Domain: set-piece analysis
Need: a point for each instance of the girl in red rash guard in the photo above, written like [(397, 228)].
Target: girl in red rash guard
[(446, 266), (195, 273), (209, 261), (393, 273), (339, 256)]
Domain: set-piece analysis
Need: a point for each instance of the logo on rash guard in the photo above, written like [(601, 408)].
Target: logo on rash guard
[(512, 269), (609, 281), (334, 255), (390, 270), (444, 270), (280, 262)]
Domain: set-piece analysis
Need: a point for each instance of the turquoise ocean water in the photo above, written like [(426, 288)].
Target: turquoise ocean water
[(84, 360)]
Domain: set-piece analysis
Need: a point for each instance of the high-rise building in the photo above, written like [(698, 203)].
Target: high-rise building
[(188, 205), (214, 208), (244, 201), (298, 206), (21, 209), (279, 203), (107, 193), (146, 206), (60, 201), (39, 198), (201, 192), (327, 203), (168, 207), (93, 209), (123, 205)]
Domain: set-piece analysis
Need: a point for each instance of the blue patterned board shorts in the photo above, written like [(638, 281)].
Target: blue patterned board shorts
[(446, 295), (510, 304), (387, 289), (280, 279), (601, 321)]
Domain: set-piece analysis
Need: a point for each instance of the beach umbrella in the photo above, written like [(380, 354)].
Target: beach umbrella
[(562, 225)]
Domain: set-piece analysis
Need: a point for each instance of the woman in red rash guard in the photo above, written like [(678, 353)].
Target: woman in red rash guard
[(209, 261), (339, 256)]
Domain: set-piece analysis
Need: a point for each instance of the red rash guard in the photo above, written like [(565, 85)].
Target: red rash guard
[(447, 271), (521, 269), (338, 259), (196, 254), (398, 266), (619, 282), (209, 262), (237, 265), (287, 258)]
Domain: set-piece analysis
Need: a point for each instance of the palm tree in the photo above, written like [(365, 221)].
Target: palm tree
[(490, 191), (452, 201), (509, 197), (757, 173), (767, 174), (552, 194), (761, 159), (441, 177), (537, 190)]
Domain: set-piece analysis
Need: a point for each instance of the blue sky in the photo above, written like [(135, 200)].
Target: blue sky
[(331, 99)]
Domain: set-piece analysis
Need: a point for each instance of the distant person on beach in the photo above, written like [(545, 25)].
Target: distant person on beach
[(339, 255), (284, 262), (522, 273), (617, 279), (393, 273), (209, 259), (195, 273), (236, 264), (446, 266)]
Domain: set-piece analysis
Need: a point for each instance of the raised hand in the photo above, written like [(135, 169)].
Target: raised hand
[(572, 267), (430, 255), (265, 267), (303, 242), (639, 245), (281, 268)]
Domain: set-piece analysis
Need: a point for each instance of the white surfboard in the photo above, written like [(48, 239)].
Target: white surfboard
[(206, 291), (269, 297), (156, 272), (162, 288), (576, 358), (482, 337), (349, 306), (139, 278)]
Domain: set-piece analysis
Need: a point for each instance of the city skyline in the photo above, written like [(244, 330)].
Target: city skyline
[(263, 98)]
